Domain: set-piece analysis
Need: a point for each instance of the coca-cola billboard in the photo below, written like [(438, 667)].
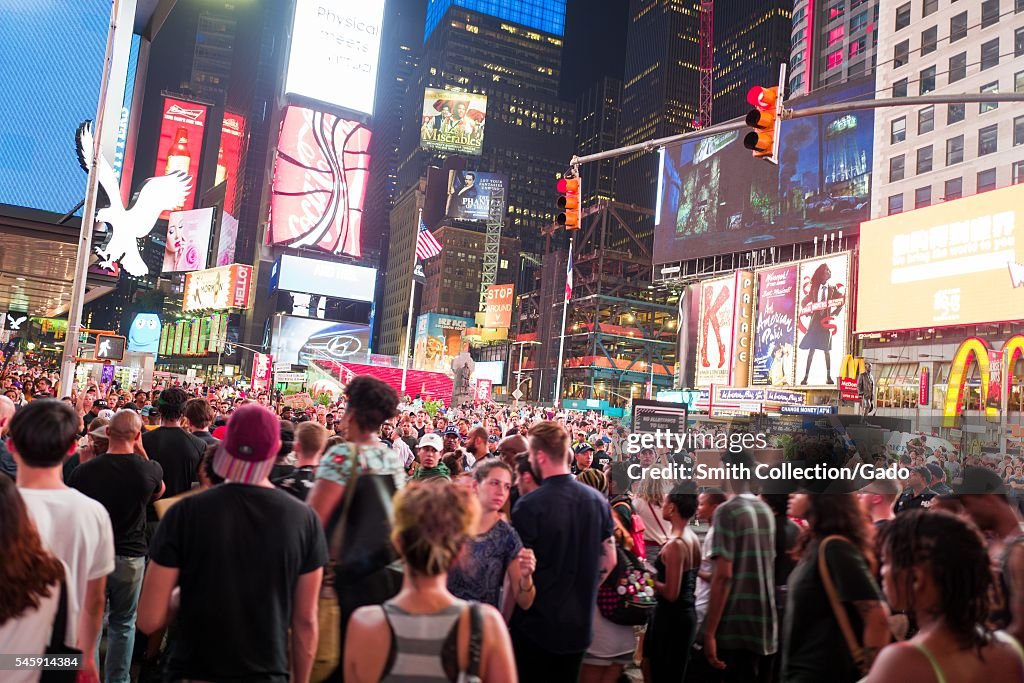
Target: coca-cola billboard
[(320, 179), (181, 144)]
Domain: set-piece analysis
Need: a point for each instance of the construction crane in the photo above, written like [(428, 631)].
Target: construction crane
[(707, 61)]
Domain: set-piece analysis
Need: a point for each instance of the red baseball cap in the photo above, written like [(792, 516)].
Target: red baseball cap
[(250, 445)]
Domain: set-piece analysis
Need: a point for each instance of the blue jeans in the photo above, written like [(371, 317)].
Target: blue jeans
[(123, 588)]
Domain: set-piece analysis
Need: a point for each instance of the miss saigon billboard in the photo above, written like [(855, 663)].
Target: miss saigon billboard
[(957, 263)]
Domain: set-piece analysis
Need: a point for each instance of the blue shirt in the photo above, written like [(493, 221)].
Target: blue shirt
[(566, 524), (7, 464), (480, 571)]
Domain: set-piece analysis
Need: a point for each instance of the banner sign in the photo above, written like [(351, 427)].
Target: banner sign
[(807, 410), (650, 416), (188, 240), (289, 377), (848, 390), (924, 393), (483, 390), (775, 330), (759, 395), (261, 365), (217, 289), (298, 401), (498, 309), (469, 194), (229, 157)]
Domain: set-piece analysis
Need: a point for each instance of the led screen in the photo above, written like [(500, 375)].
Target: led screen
[(320, 179), (335, 52), (469, 194), (188, 240), (229, 157), (956, 263), (302, 341), (312, 276), (181, 144)]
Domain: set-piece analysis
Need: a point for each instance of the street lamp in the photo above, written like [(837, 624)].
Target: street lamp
[(519, 368)]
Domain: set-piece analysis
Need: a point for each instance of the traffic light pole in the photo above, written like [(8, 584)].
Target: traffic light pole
[(857, 105)]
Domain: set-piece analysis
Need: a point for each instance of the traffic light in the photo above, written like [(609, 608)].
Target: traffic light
[(765, 121), (569, 203)]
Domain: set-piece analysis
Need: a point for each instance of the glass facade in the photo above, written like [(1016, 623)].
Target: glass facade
[(543, 15)]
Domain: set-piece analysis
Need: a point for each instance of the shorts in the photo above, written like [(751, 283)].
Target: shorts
[(623, 660)]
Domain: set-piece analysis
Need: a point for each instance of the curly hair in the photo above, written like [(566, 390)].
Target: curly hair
[(171, 403), (27, 570), (370, 402), (953, 552), (595, 479), (838, 514), (433, 520)]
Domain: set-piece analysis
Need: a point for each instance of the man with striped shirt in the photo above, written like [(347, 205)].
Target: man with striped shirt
[(741, 630)]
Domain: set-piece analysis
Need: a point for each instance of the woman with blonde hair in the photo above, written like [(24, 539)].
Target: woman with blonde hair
[(648, 497), (431, 634)]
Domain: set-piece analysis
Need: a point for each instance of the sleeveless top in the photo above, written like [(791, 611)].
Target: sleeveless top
[(686, 599), (423, 646), (937, 670)]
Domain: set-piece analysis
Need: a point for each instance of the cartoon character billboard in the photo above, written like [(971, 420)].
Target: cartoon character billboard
[(144, 333)]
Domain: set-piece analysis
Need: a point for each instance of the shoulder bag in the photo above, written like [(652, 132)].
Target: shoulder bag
[(842, 618), (476, 642), (57, 648)]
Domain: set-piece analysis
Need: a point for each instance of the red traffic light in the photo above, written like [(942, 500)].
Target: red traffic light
[(762, 98), (568, 185)]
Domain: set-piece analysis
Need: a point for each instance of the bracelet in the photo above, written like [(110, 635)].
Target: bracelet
[(527, 590)]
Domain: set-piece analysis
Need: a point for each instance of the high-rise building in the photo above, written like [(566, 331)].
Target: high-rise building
[(214, 54), (544, 15), (599, 111), (924, 155), (831, 42), (751, 41), (404, 221), (453, 278)]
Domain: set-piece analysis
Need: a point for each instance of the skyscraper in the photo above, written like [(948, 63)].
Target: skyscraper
[(831, 42), (544, 15), (214, 53)]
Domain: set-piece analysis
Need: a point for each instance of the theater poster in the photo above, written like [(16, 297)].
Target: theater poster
[(775, 327), (453, 121), (823, 305), (715, 330)]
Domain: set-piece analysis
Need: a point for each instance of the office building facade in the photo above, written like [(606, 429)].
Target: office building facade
[(832, 42)]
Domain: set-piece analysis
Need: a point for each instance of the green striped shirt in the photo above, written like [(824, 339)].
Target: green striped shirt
[(745, 535)]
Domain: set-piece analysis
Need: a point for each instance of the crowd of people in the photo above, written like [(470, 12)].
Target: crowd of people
[(189, 535)]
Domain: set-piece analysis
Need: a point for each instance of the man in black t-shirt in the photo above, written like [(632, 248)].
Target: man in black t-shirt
[(917, 493), (177, 451), (124, 481), (249, 560), (569, 528)]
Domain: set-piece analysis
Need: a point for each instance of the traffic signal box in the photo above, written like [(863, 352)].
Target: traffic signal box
[(765, 121), (569, 203)]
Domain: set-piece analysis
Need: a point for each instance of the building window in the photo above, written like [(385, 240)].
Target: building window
[(1018, 42), (834, 59), (988, 140), (858, 46), (835, 10), (1018, 131), (898, 130), (858, 22), (835, 35), (897, 166), (923, 197), (990, 54), (926, 120), (989, 106), (955, 113), (958, 67), (796, 83), (927, 82), (989, 13), (930, 7), (924, 160), (895, 204), (797, 59), (954, 189), (954, 150), (958, 27), (1018, 81), (899, 88), (903, 16), (901, 54), (1018, 172), (987, 180), (855, 69), (929, 40)]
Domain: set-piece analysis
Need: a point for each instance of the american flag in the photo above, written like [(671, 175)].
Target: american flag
[(426, 244), (568, 278)]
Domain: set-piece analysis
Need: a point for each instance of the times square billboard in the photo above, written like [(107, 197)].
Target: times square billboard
[(453, 121), (715, 198)]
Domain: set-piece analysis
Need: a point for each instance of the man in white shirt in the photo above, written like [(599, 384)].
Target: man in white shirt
[(74, 527)]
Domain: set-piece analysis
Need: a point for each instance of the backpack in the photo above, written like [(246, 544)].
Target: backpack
[(627, 595), (633, 533)]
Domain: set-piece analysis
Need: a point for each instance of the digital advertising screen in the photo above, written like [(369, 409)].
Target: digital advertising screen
[(438, 341), (956, 263), (822, 314), (302, 341), (453, 121), (144, 335), (46, 96), (715, 198), (320, 179), (227, 239), (335, 52), (498, 306), (469, 194), (217, 289), (775, 327), (188, 240), (313, 276), (229, 157), (181, 144)]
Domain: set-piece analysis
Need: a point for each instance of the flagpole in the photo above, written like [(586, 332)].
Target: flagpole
[(412, 300), (561, 342)]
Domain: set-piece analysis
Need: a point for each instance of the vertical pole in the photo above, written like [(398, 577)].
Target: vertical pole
[(519, 373), (561, 341), (1004, 383), (412, 301), (67, 369)]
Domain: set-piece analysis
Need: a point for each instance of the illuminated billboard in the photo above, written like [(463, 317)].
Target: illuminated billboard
[(469, 194), (714, 199), (229, 157), (320, 179), (956, 263), (438, 341), (822, 314), (211, 332), (226, 239), (188, 240), (181, 144), (453, 121), (217, 289), (775, 330), (144, 333), (498, 307), (335, 52), (312, 276), (302, 341)]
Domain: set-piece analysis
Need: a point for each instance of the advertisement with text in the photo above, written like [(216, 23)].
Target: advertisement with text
[(181, 144), (775, 328), (469, 194), (453, 121), (823, 306)]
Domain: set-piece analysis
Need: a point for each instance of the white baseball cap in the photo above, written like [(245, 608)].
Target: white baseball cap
[(432, 441)]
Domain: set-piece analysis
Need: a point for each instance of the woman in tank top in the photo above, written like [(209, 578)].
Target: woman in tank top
[(935, 566), (425, 633)]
